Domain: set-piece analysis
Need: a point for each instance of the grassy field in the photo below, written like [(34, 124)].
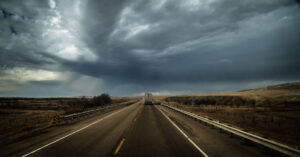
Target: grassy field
[(272, 112), (21, 117)]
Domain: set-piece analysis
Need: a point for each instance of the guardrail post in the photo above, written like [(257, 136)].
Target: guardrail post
[(55, 120)]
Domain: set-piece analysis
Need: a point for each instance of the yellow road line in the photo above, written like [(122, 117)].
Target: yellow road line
[(119, 146)]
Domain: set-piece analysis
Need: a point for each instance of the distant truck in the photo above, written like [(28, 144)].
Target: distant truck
[(148, 99)]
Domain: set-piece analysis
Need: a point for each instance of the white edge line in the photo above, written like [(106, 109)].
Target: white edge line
[(191, 141), (99, 120)]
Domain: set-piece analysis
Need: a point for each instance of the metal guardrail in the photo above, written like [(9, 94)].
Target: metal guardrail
[(257, 139), (85, 113)]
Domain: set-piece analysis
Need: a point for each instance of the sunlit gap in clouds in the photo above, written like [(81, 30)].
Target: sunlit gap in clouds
[(61, 34), (25, 75)]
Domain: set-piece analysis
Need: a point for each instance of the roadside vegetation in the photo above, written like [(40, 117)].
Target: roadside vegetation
[(21, 117), (272, 112)]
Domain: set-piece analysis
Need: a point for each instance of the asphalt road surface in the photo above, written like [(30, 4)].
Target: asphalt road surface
[(142, 130)]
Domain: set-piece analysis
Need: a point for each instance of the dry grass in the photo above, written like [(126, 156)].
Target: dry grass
[(272, 112), (18, 123)]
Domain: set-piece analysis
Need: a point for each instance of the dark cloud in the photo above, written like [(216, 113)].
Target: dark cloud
[(128, 47)]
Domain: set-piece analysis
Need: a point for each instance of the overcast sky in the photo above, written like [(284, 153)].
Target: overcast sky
[(124, 48)]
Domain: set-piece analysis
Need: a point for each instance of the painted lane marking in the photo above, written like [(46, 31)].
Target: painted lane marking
[(119, 146), (192, 142), (99, 120), (134, 120)]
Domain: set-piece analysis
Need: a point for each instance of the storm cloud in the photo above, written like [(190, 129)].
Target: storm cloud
[(124, 48)]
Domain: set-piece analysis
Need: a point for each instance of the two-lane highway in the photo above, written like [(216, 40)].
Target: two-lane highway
[(136, 130), (143, 130)]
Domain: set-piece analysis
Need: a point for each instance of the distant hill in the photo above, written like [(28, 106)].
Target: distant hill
[(286, 86), (287, 90)]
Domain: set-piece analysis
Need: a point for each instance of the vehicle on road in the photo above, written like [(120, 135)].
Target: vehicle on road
[(148, 99)]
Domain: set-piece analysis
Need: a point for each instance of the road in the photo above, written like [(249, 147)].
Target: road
[(143, 130)]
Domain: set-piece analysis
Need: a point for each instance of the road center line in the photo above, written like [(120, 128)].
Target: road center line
[(119, 146), (134, 120), (97, 121), (192, 142)]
